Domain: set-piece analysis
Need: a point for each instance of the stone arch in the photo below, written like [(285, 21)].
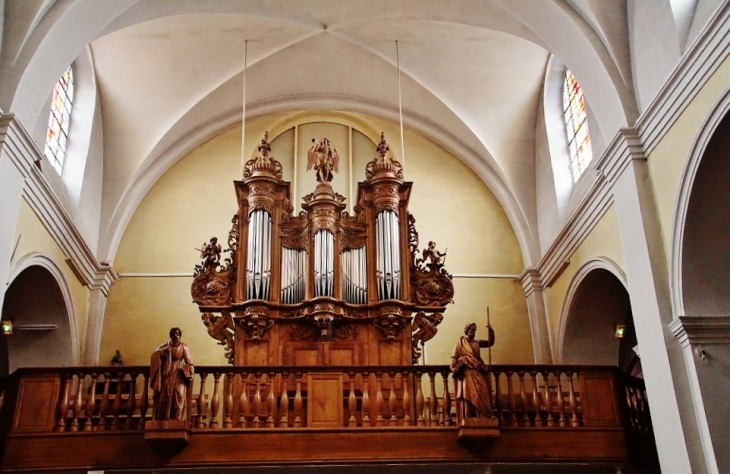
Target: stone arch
[(597, 300), (700, 262), (38, 301)]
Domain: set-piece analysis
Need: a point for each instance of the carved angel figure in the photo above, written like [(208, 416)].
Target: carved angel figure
[(424, 329), (221, 328), (210, 253), (323, 158)]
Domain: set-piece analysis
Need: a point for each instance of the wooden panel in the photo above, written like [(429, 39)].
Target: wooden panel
[(343, 353), (256, 353), (390, 353), (599, 400), (304, 353), (37, 398), (325, 402)]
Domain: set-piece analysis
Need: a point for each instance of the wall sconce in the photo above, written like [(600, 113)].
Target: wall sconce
[(6, 325), (620, 331)]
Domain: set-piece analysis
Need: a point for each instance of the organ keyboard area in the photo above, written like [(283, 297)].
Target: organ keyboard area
[(321, 287)]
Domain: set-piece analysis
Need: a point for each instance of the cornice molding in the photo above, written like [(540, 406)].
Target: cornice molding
[(23, 153), (701, 329), (701, 60), (531, 280)]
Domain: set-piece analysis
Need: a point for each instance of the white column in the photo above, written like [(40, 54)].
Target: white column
[(667, 382), (11, 194), (535, 297)]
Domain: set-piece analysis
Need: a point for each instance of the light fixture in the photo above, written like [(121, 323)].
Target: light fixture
[(620, 331), (7, 326)]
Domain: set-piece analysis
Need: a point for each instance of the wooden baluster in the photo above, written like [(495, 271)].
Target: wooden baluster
[(446, 411), (524, 419), (573, 402), (365, 399), (406, 400), (379, 421), (561, 400), (77, 403), (284, 402), (131, 401), (548, 399), (536, 399), (117, 405), (200, 423), (352, 401), (256, 422), (104, 407), (433, 403), (144, 401), (215, 403), (298, 402), (643, 409), (63, 406), (90, 403), (498, 395), (271, 401), (392, 401), (511, 399), (228, 406), (420, 420), (243, 403)]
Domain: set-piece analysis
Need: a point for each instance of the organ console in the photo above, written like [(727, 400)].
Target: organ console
[(321, 287)]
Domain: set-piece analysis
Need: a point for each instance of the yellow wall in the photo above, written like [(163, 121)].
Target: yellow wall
[(35, 238), (603, 241), (195, 200), (667, 160)]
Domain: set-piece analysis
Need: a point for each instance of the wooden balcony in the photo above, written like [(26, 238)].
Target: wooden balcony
[(93, 418)]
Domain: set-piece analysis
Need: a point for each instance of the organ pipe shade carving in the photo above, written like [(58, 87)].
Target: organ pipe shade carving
[(293, 275), (324, 263), (354, 276), (387, 269), (258, 269)]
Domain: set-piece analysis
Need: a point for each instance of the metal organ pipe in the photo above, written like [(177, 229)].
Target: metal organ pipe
[(258, 268), (387, 255), (292, 275), (324, 263), (354, 278)]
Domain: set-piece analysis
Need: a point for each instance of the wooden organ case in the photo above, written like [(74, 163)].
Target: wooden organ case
[(322, 287)]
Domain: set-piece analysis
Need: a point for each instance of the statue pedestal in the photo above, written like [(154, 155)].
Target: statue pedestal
[(477, 429), (168, 434)]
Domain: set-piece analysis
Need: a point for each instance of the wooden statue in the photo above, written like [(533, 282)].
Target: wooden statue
[(323, 158), (424, 329), (211, 253), (117, 359), (471, 374), (171, 371)]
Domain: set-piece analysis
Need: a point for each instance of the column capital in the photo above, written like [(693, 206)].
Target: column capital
[(701, 329), (531, 280)]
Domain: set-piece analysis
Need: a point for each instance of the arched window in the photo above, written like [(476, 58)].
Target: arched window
[(59, 120), (576, 126)]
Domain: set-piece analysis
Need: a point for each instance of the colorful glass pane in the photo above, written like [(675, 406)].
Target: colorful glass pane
[(576, 126), (59, 120)]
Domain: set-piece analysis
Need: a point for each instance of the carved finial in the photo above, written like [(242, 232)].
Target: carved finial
[(382, 147), (264, 147)]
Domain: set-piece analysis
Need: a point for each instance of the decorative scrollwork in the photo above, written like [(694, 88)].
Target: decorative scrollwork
[(209, 289), (348, 331), (412, 236), (300, 332), (432, 288)]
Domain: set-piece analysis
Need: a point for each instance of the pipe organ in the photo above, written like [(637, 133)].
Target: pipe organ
[(322, 286)]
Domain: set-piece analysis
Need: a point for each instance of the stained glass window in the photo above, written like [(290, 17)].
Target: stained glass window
[(59, 120), (576, 126)]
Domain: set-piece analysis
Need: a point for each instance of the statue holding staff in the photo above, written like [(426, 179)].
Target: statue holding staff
[(171, 371), (471, 374)]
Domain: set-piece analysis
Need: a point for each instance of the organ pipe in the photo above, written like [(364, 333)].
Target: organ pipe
[(354, 277), (324, 263), (387, 255), (258, 269)]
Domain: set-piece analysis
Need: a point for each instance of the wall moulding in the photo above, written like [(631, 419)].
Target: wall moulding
[(701, 329)]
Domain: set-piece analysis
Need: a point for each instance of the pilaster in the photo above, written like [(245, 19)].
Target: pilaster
[(534, 294)]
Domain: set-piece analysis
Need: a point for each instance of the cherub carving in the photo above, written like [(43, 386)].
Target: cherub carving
[(424, 329), (431, 259), (210, 253), (323, 158), (221, 328)]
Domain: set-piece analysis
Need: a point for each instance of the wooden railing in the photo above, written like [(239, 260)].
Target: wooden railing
[(90, 417), (221, 398)]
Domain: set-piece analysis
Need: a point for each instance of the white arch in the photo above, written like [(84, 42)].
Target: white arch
[(707, 131), (41, 260), (112, 235), (598, 263)]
